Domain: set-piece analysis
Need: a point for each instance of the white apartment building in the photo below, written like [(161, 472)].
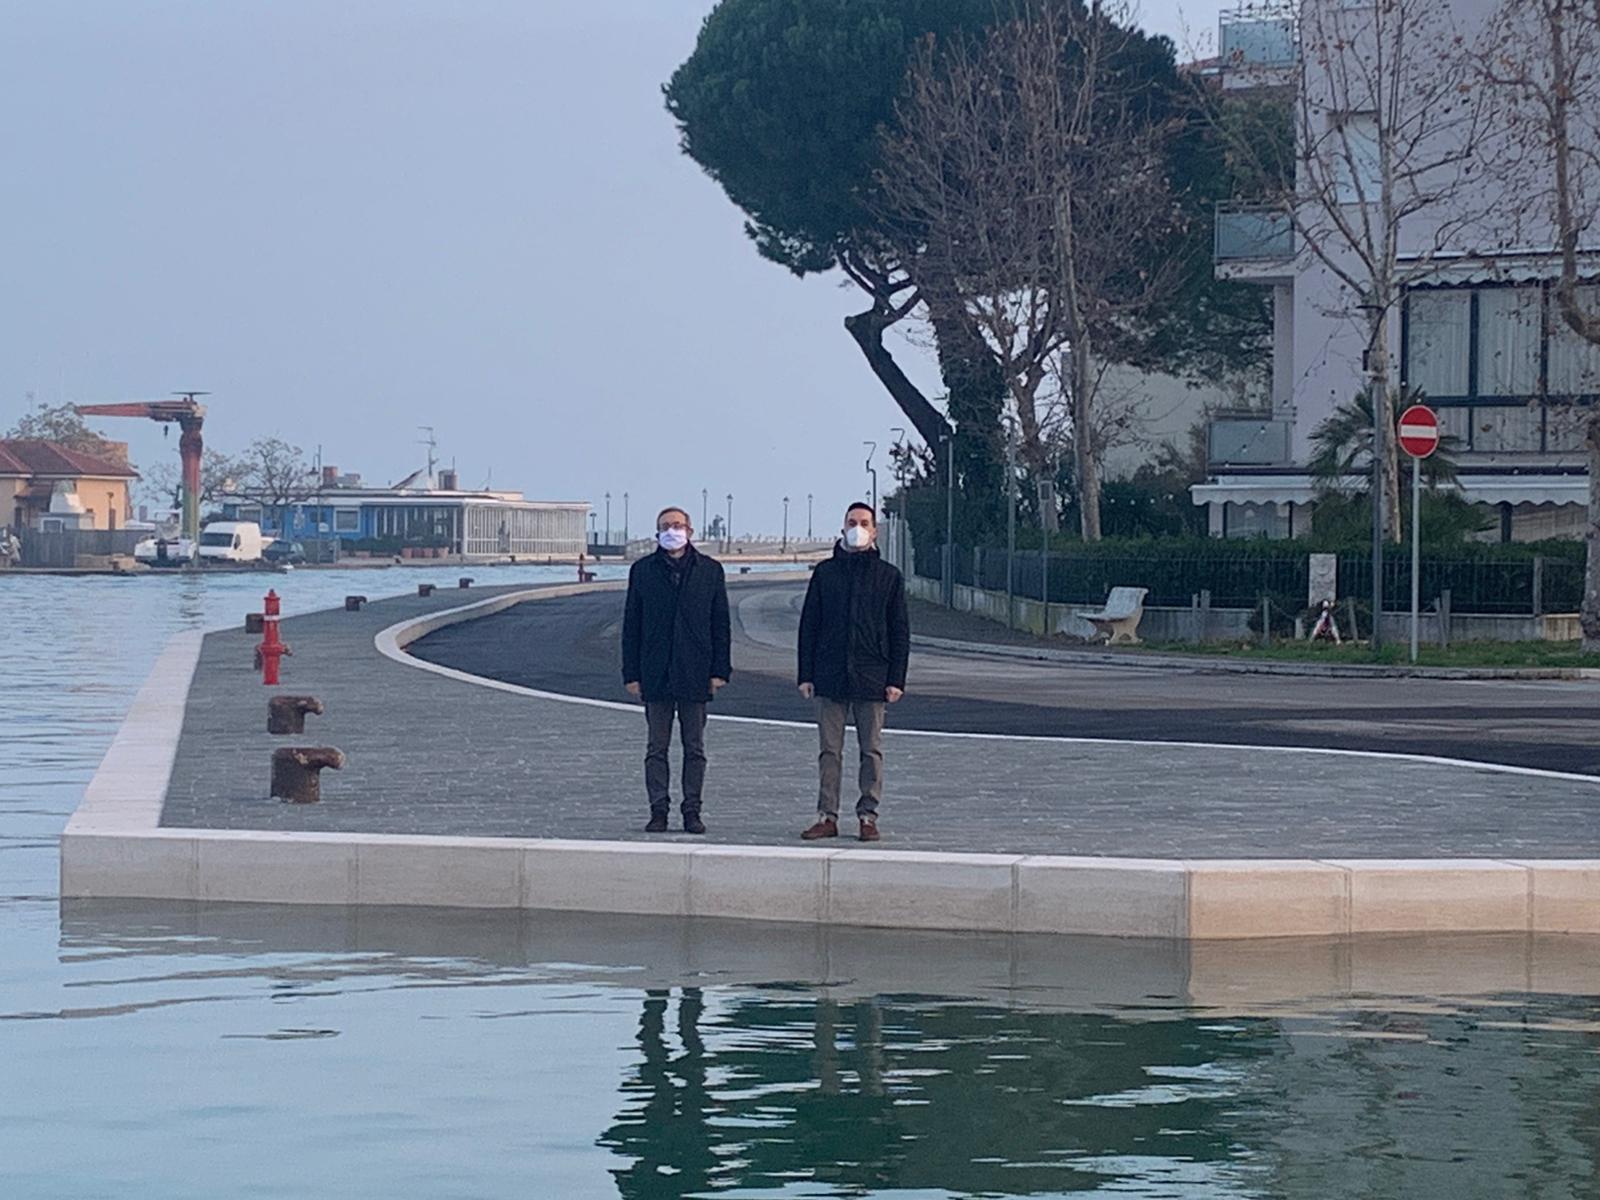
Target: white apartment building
[(1476, 330)]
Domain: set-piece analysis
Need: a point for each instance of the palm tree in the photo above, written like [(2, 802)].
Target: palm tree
[(1342, 458)]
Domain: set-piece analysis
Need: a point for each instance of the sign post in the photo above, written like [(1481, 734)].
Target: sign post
[(1419, 437)]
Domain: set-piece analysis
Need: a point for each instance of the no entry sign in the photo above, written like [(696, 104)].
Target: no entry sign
[(1419, 431)]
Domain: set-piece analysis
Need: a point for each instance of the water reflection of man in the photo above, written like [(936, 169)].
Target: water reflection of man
[(669, 1136)]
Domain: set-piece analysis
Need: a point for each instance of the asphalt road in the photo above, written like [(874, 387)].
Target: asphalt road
[(570, 646)]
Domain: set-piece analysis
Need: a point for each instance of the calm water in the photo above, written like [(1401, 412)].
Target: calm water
[(151, 1050)]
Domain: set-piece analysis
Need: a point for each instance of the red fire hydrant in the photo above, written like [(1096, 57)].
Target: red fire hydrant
[(272, 647)]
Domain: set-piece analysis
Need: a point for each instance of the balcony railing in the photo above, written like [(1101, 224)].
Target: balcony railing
[(1257, 41), (1252, 233), (1248, 440)]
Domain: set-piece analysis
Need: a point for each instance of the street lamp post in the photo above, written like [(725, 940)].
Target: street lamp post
[(872, 448), (808, 516), (730, 522), (786, 524), (702, 510), (608, 518), (902, 525), (1011, 524), (624, 521)]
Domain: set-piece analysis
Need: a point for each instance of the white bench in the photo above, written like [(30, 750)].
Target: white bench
[(1119, 619)]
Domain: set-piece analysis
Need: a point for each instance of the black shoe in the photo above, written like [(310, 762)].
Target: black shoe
[(658, 823), (692, 823)]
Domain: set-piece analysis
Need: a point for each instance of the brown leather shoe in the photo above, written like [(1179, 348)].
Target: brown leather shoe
[(825, 827), (869, 829)]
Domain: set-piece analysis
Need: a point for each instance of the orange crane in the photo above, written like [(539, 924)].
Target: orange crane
[(189, 415)]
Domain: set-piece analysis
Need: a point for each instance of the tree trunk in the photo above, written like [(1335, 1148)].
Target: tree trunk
[(1083, 449), (1383, 417), (867, 330), (1589, 615), (977, 392)]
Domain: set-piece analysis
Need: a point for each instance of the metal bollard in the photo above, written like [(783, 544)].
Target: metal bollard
[(464, 582), (254, 623), (424, 589), (296, 772), (287, 714), (354, 603)]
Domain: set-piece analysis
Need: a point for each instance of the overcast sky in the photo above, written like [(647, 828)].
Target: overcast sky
[(350, 218)]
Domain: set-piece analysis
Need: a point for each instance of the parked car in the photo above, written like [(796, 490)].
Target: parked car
[(231, 541), (283, 553), (164, 551)]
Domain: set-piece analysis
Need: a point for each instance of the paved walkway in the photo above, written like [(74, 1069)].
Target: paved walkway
[(434, 755)]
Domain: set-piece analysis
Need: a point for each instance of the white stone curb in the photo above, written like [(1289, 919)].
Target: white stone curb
[(114, 846)]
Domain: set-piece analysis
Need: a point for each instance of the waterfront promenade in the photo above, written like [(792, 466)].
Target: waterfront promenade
[(1021, 796)]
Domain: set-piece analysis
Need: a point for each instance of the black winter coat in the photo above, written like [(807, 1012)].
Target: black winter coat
[(675, 637), (855, 637)]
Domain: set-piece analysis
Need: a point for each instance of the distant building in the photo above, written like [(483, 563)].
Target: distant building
[(49, 488), (422, 513)]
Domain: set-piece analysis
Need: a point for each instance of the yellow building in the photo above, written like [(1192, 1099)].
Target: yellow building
[(47, 486)]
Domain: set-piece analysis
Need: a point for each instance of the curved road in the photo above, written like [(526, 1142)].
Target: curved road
[(570, 645)]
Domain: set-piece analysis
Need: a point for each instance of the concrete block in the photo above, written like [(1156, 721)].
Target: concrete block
[(1111, 897), (921, 890), (768, 883), (1565, 894), (1463, 895), (277, 868), (617, 877), (156, 865), (450, 872), (1249, 898)]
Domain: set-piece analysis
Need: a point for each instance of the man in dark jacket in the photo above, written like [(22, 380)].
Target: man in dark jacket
[(675, 657), (855, 641)]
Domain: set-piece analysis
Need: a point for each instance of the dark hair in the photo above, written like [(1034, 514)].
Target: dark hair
[(682, 512), (864, 507)]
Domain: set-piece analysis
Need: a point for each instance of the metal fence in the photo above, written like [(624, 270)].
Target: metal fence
[(62, 548), (1528, 586)]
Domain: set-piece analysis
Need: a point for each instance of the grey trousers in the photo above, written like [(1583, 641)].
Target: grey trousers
[(867, 716), (658, 716)]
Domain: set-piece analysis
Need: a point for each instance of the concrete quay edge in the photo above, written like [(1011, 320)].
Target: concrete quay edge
[(114, 846)]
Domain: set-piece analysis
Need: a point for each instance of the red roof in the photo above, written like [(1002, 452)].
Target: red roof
[(22, 457)]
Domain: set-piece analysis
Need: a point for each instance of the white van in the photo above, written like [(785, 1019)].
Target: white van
[(231, 541)]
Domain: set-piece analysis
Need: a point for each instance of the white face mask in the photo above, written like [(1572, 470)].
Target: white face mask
[(673, 539), (858, 537)]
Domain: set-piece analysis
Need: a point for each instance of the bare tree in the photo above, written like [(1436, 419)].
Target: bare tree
[(274, 474), (220, 476), (1541, 60), (1037, 200), (1388, 130)]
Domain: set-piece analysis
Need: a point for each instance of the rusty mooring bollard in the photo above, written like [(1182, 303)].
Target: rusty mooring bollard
[(424, 589), (354, 603), (254, 622), (287, 714), (295, 772), (464, 582)]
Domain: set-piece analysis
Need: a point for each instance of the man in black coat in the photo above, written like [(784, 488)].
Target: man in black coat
[(675, 657), (855, 641)]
